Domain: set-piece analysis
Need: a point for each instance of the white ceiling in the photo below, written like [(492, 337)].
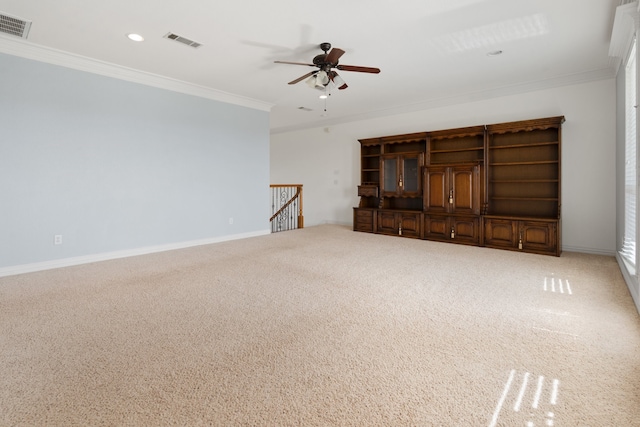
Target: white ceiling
[(430, 52)]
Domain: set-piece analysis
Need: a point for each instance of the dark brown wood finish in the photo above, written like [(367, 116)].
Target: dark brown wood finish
[(399, 223), (452, 189), (492, 185), (364, 219)]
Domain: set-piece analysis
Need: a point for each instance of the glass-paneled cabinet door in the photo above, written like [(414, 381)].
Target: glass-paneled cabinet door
[(411, 172), (390, 175), (401, 175)]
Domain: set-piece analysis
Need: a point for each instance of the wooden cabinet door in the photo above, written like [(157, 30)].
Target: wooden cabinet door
[(387, 222), (538, 236), (453, 189), (452, 229), (436, 198), (465, 189), (525, 235), (409, 224), (437, 227), (399, 223), (466, 229), (500, 233)]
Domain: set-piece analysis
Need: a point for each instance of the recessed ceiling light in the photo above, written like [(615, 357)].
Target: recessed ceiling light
[(135, 37), (494, 53)]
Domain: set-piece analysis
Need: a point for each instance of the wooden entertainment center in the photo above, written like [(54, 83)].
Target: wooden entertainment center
[(491, 185)]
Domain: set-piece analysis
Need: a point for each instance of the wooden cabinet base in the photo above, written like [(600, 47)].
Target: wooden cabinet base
[(540, 236)]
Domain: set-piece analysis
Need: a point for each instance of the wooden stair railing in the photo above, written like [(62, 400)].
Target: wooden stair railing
[(286, 207)]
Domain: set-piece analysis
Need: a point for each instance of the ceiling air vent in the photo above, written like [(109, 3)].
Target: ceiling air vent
[(14, 26), (183, 40)]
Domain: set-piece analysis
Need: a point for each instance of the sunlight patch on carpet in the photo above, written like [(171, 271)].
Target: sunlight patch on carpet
[(551, 284), (528, 399)]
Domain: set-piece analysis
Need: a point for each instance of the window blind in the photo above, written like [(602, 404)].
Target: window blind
[(628, 250)]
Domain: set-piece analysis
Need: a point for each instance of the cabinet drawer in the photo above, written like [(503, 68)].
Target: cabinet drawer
[(363, 220), (367, 191)]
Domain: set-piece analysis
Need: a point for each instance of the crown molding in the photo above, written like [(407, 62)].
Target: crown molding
[(496, 92), (28, 50)]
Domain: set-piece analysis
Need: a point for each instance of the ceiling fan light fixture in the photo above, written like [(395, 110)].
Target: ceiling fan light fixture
[(319, 80), (322, 78), (311, 81), (337, 80)]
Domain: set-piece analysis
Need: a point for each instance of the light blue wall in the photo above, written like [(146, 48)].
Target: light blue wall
[(112, 165)]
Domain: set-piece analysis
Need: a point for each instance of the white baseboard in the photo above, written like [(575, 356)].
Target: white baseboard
[(593, 251), (86, 259), (332, 222)]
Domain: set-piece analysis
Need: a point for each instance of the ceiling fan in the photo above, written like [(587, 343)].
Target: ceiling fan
[(325, 74)]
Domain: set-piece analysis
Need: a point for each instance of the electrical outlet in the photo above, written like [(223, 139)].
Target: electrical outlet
[(57, 239), (231, 220)]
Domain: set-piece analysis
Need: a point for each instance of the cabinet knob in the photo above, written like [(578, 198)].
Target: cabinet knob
[(453, 233), (450, 196)]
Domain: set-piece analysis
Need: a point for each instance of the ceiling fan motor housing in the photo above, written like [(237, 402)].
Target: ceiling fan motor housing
[(320, 60)]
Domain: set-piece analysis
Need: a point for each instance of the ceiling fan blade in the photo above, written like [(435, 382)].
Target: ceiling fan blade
[(295, 63), (358, 69), (334, 55), (337, 80), (299, 79)]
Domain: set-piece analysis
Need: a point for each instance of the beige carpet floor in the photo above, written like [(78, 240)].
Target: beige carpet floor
[(322, 327)]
